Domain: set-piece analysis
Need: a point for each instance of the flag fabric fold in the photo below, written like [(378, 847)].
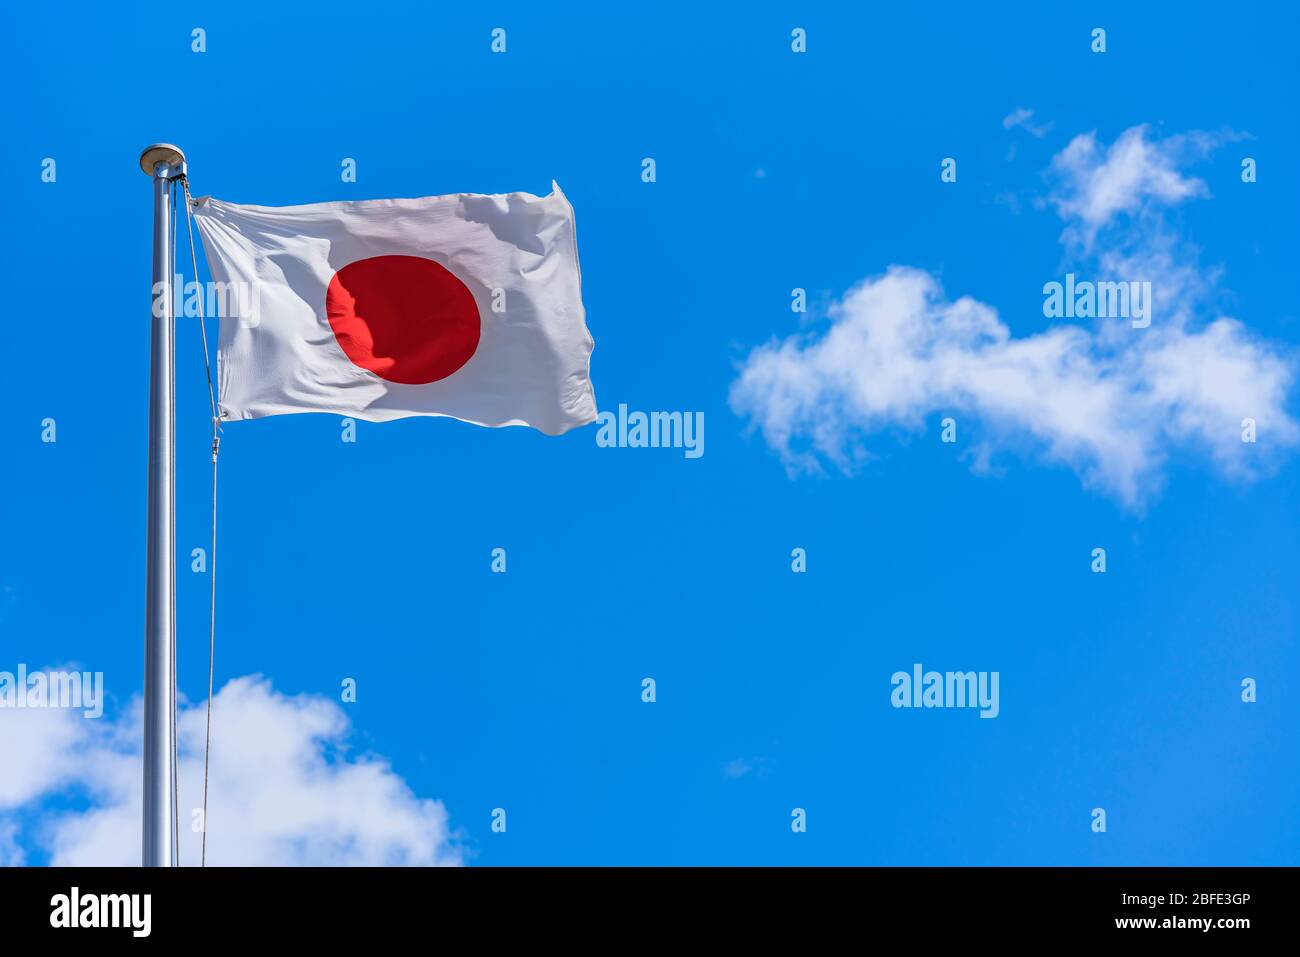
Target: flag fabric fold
[(468, 306)]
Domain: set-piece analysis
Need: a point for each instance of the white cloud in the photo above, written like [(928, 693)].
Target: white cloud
[(37, 752), (740, 767), (1096, 185), (898, 351), (1023, 118), (282, 789), (1110, 401), (11, 855)]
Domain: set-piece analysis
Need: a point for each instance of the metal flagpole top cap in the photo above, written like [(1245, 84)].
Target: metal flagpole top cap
[(160, 153)]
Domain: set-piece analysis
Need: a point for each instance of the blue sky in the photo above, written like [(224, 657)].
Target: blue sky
[(775, 170)]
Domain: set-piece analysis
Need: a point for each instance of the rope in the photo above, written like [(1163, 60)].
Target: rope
[(212, 556), (207, 363)]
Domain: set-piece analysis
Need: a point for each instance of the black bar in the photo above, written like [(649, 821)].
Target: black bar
[(975, 905)]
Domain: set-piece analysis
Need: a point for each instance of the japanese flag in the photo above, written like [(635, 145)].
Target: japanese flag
[(466, 306)]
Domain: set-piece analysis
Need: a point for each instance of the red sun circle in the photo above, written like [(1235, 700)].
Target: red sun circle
[(405, 318)]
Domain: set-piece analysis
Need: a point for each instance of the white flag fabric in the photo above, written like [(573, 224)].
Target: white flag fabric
[(467, 306)]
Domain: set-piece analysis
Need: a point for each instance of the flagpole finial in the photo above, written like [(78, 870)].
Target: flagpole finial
[(161, 153)]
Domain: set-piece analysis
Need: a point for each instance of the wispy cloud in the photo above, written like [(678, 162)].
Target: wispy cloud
[(1098, 184), (742, 767), (1024, 118), (11, 854), (1107, 400), (282, 792)]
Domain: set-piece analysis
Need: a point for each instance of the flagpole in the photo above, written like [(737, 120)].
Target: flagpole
[(165, 163)]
